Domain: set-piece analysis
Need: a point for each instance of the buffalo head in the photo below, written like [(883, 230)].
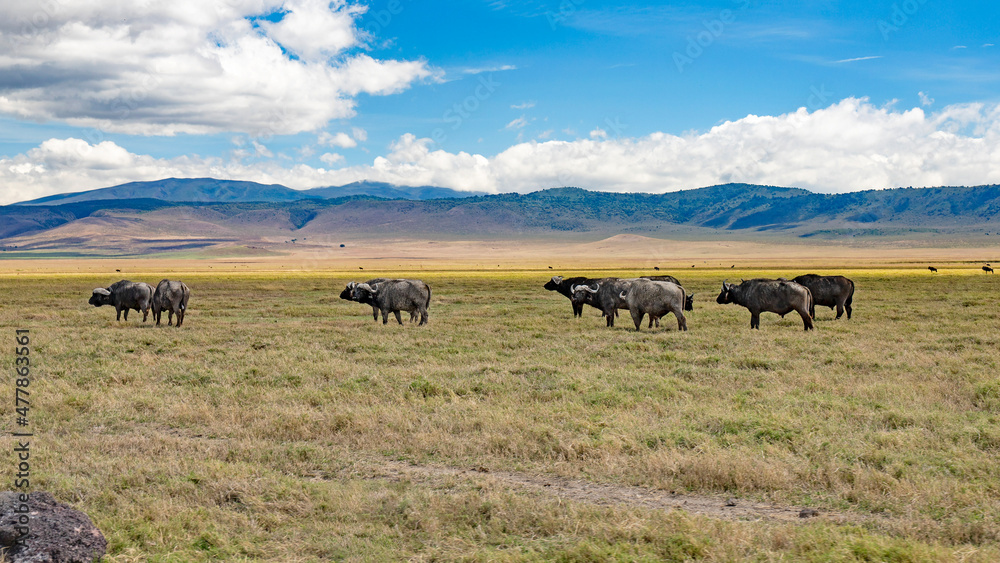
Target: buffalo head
[(100, 297), (346, 294), (726, 295), (553, 284)]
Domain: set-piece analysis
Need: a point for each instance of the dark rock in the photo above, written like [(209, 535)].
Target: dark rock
[(808, 513), (58, 533)]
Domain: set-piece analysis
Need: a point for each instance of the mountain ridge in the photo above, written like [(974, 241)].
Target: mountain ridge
[(714, 212)]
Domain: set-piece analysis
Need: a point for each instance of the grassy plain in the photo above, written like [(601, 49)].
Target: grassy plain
[(263, 428)]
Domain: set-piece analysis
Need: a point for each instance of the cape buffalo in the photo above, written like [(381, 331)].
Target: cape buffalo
[(393, 296), (773, 296), (688, 301), (366, 299), (172, 297), (604, 294), (829, 291), (563, 285), (124, 295), (655, 298)]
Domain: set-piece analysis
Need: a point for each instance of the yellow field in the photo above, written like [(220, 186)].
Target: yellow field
[(282, 424)]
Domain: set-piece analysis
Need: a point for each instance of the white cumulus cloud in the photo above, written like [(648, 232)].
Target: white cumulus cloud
[(260, 67), (851, 145)]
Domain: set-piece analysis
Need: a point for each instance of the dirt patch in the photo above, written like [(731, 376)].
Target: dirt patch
[(726, 508)]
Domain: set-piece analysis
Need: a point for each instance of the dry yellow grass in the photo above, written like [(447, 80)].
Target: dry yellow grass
[(261, 429)]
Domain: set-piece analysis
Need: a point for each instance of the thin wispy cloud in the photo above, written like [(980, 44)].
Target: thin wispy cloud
[(481, 70), (856, 59), (524, 105)]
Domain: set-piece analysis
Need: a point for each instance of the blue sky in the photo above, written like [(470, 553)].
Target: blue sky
[(502, 95)]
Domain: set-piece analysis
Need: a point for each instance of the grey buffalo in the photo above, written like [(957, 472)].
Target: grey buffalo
[(564, 287), (656, 299), (773, 296), (829, 291), (688, 300), (124, 295), (366, 299), (604, 294), (393, 296), (172, 297)]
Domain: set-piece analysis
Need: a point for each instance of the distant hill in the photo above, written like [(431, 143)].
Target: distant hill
[(717, 212), (388, 191), (211, 190), (204, 190)]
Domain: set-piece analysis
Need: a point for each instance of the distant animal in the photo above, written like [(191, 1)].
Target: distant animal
[(688, 301), (118, 270), (170, 296), (932, 268), (124, 295), (604, 294), (829, 291), (655, 298), (550, 267), (360, 268), (773, 296), (347, 294), (733, 266), (563, 285), (988, 269), (657, 268), (393, 296)]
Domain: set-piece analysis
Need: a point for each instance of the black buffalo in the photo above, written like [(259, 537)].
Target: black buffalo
[(124, 295), (773, 296), (829, 291), (564, 287), (604, 294)]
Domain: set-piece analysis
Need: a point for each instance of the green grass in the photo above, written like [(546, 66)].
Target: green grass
[(256, 431)]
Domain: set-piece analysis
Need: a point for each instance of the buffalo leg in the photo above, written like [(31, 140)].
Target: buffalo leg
[(145, 315), (398, 318), (170, 317), (126, 313), (847, 307), (385, 317), (806, 320), (375, 313), (840, 310), (180, 317), (682, 323), (755, 320), (118, 317), (423, 317), (637, 319)]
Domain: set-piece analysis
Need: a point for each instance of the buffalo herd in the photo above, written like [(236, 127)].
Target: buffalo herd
[(655, 296), (125, 295), (658, 295)]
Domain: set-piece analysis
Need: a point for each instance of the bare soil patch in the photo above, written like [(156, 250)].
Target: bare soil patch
[(726, 508)]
